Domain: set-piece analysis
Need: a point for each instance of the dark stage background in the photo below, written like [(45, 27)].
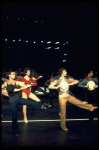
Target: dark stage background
[(75, 23)]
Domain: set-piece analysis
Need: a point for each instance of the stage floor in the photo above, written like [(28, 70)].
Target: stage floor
[(43, 128)]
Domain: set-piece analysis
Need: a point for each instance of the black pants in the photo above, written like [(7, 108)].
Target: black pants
[(91, 100), (17, 100)]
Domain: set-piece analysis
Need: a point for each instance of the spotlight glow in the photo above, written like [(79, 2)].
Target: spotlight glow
[(34, 42), (13, 40), (49, 48), (26, 40), (19, 39), (5, 39), (56, 42), (41, 41), (57, 48), (48, 42), (64, 60)]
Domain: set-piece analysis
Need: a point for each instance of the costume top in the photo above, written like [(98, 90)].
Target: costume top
[(27, 90), (10, 88)]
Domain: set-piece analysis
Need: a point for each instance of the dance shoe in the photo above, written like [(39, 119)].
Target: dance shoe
[(93, 108), (43, 106), (65, 129), (25, 120)]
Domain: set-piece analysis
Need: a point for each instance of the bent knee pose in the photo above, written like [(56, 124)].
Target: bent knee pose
[(15, 98), (26, 93), (63, 84)]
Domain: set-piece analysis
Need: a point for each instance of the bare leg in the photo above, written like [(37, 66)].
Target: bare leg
[(24, 107), (34, 97)]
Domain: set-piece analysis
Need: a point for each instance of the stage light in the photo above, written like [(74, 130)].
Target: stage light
[(26, 40), (5, 39), (19, 39), (65, 54), (64, 60), (57, 48), (34, 42), (41, 41), (49, 47), (56, 42), (48, 42), (66, 42), (9, 47), (13, 40), (18, 18), (36, 21), (46, 48)]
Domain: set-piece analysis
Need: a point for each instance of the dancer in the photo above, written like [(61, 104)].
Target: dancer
[(26, 93), (70, 93), (35, 78), (89, 84), (15, 98), (52, 91), (63, 84)]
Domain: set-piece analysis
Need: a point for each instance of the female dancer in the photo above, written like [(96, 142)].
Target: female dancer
[(26, 93), (15, 98), (63, 85)]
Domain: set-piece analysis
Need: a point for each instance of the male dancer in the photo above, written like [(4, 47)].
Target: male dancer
[(67, 76), (63, 84), (15, 98), (84, 84), (89, 93)]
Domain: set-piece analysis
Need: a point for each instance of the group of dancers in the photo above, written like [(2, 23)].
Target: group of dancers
[(25, 84)]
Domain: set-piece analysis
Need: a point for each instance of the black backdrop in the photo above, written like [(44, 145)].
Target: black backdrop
[(75, 23)]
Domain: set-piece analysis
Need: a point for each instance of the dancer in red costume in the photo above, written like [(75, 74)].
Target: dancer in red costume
[(26, 93)]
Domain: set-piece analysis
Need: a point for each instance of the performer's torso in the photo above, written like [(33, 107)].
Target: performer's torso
[(64, 87)]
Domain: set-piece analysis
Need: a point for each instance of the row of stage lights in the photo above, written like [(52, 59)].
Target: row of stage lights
[(25, 19), (46, 43)]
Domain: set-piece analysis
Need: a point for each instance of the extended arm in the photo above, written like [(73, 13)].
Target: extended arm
[(52, 85), (83, 83), (34, 83), (73, 81)]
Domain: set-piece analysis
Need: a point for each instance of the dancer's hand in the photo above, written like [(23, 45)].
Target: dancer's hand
[(40, 76), (57, 87), (95, 86), (29, 85), (86, 86)]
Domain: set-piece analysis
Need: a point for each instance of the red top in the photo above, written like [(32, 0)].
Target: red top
[(27, 91)]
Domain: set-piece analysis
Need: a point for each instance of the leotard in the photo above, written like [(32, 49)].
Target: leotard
[(27, 91)]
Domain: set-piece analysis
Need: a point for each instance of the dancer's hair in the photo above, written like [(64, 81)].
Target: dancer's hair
[(32, 73), (60, 71), (25, 70), (10, 72)]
